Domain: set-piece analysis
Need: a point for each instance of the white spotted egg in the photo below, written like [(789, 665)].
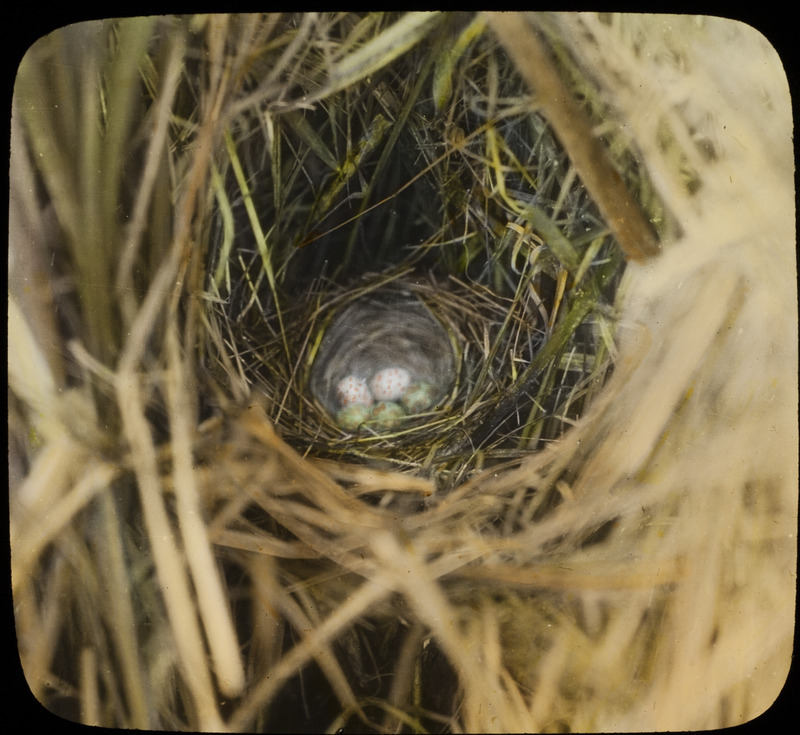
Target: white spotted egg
[(353, 390), (390, 383)]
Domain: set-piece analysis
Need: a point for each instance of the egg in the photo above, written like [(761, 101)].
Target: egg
[(352, 416), (386, 415), (418, 397), (353, 390), (390, 383)]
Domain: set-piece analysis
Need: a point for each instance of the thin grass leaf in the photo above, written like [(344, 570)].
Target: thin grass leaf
[(446, 62), (255, 223), (348, 168), (381, 50)]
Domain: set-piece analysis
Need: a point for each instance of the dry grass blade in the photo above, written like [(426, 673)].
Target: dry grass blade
[(213, 606), (632, 230), (381, 50)]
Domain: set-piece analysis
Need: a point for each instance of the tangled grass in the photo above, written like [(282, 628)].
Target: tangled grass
[(596, 532)]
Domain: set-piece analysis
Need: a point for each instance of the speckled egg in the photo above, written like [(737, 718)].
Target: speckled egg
[(390, 383), (386, 415), (353, 391), (418, 397), (352, 416)]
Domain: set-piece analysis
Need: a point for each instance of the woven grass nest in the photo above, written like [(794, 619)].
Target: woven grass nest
[(569, 235)]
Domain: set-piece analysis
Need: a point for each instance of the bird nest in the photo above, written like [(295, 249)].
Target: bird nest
[(479, 217), (440, 387)]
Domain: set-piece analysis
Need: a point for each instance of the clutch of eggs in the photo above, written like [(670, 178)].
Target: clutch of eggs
[(383, 401)]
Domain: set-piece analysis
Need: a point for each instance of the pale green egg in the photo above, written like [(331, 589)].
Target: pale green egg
[(386, 415), (352, 416), (418, 397)]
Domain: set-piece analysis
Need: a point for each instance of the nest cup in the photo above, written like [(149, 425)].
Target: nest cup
[(391, 328)]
